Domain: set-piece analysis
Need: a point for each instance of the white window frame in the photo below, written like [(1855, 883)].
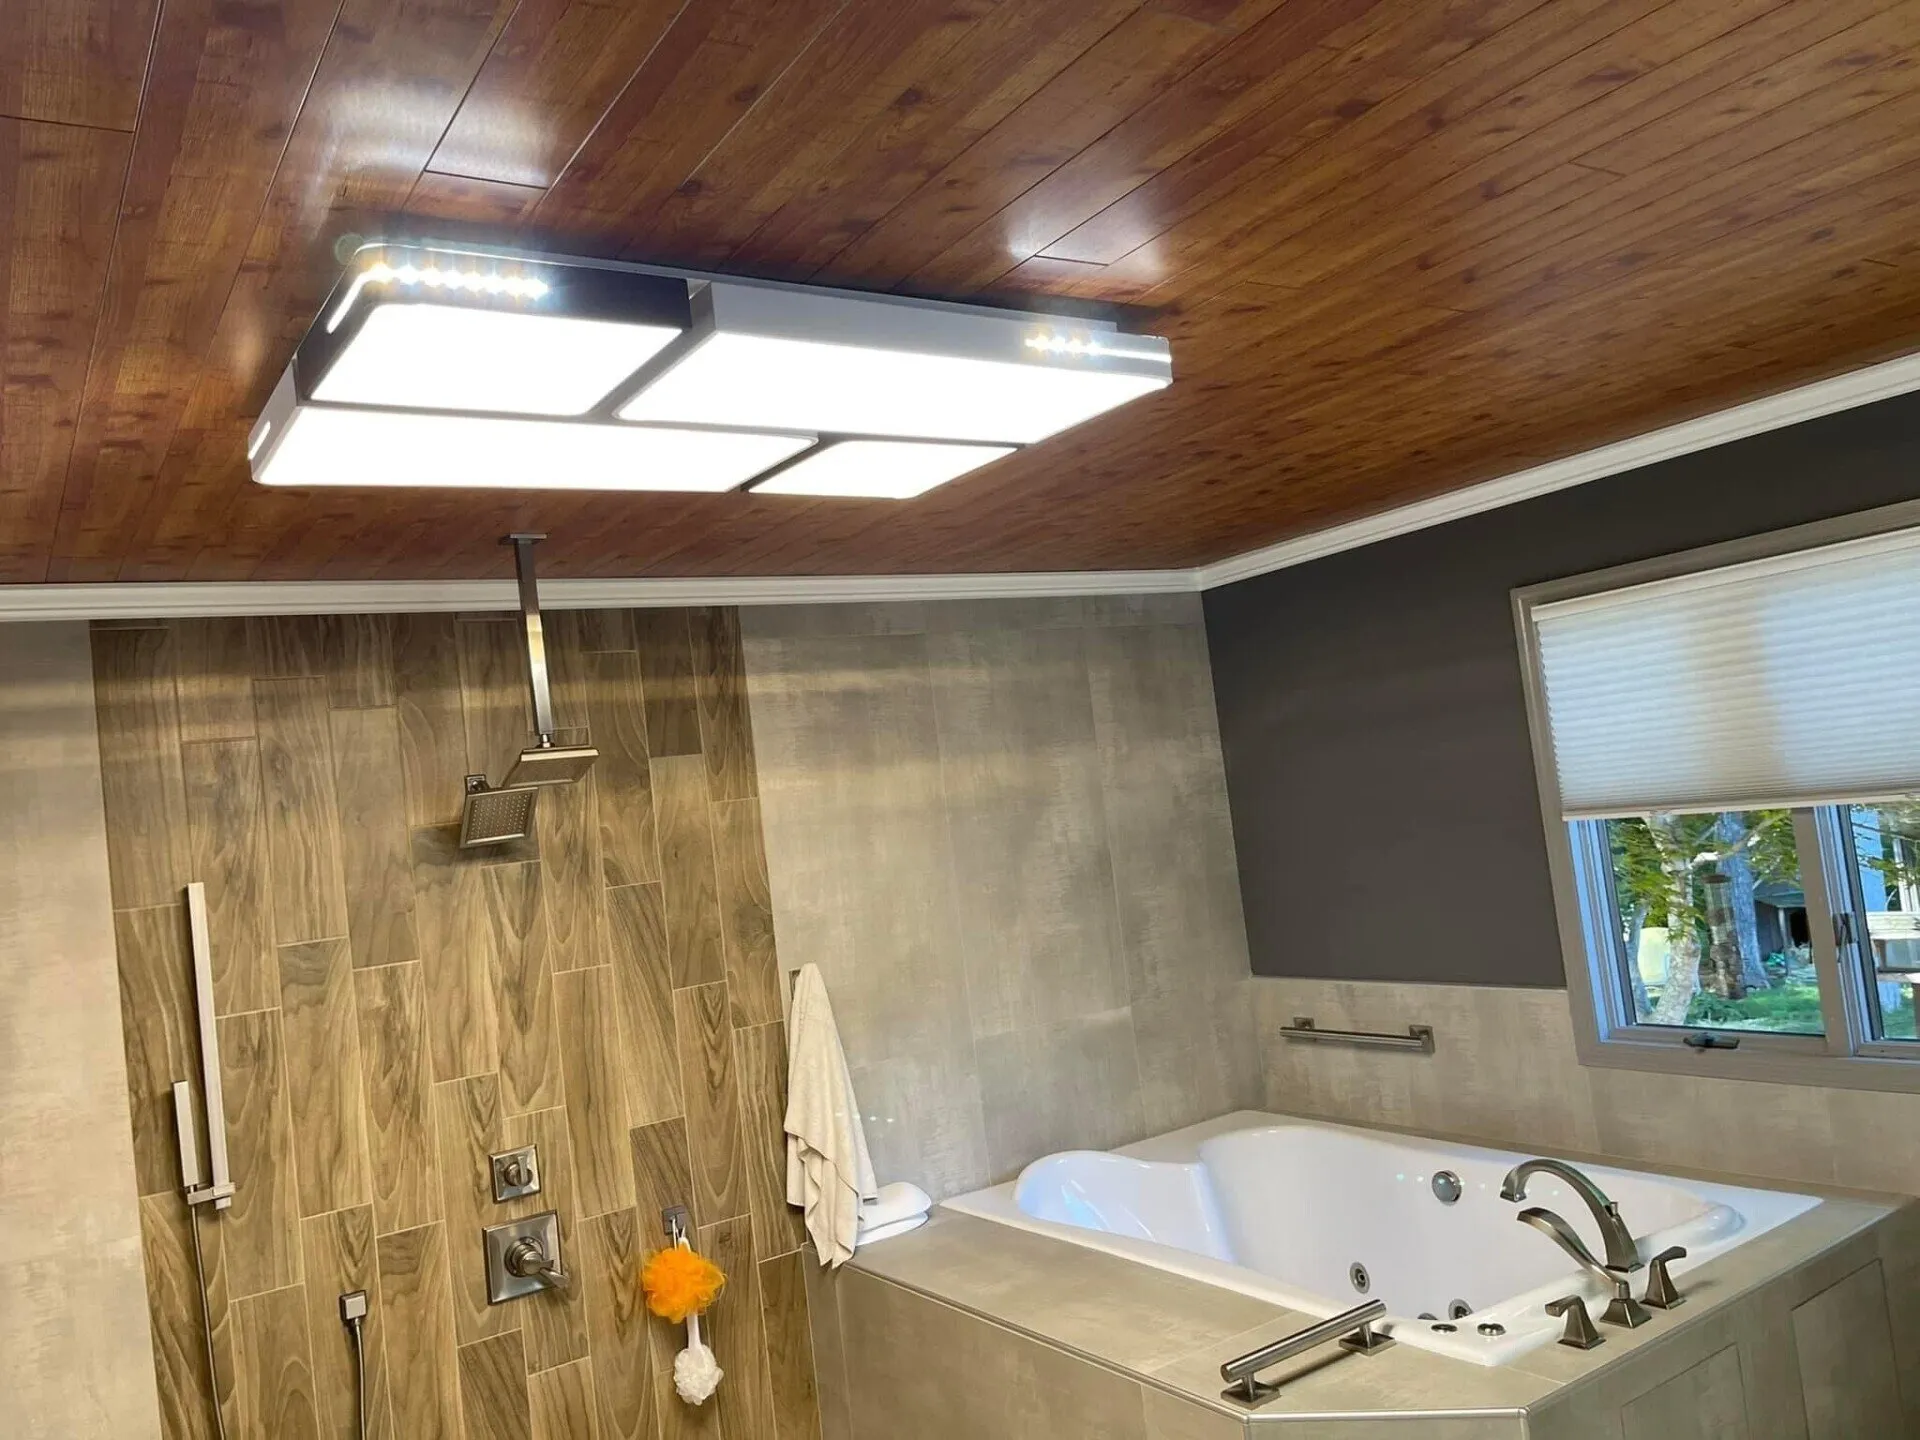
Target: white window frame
[(1606, 1030)]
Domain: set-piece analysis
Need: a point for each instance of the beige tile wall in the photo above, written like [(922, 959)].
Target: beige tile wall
[(1504, 1069), (1001, 830), (74, 1344)]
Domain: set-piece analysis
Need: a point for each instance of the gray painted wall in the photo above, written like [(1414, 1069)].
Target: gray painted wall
[(1384, 809), (1000, 829)]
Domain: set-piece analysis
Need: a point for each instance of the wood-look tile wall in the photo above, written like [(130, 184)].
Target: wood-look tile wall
[(392, 1010)]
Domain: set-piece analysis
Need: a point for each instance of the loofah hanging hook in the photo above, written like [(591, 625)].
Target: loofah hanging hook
[(680, 1284)]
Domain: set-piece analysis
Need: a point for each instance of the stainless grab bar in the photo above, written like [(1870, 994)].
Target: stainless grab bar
[(1418, 1037), (1244, 1389)]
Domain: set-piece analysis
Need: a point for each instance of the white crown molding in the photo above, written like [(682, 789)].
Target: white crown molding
[(348, 597), (312, 597), (1774, 412)]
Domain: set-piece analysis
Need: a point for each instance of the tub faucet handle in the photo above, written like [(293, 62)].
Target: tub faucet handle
[(1579, 1332), (1661, 1294)]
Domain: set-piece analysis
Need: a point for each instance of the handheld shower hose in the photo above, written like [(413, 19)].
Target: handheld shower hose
[(353, 1313)]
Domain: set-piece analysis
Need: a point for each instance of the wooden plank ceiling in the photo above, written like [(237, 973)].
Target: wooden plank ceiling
[(1398, 246)]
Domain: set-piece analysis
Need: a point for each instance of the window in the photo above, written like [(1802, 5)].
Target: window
[(1729, 770), (1713, 922)]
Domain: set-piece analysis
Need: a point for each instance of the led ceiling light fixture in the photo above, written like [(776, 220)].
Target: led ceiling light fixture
[(434, 366)]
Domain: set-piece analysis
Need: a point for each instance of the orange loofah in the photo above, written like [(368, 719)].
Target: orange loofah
[(680, 1283)]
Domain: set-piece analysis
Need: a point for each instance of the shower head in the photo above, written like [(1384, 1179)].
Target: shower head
[(552, 765), (493, 815)]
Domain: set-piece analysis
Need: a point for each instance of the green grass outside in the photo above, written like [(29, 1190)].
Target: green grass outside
[(1792, 1010)]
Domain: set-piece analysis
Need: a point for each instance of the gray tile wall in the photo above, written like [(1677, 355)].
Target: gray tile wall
[(73, 1322), (1001, 831), (1505, 1070)]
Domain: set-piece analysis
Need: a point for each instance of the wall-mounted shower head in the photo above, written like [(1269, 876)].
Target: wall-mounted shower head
[(493, 815), (552, 765)]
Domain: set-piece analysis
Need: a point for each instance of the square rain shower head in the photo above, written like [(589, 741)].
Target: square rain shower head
[(552, 765), (493, 817)]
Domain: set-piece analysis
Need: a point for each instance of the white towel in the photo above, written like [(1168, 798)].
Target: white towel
[(900, 1200), (898, 1227), (828, 1169)]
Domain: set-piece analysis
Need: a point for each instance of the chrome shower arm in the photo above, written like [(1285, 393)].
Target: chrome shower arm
[(537, 683)]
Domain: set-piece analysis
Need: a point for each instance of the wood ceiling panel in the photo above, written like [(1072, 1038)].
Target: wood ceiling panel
[(710, 69), (557, 67), (1397, 248), (75, 62), (59, 194), (1450, 132), (857, 68), (990, 71), (223, 87), (1131, 64), (1279, 52), (492, 207), (1273, 95)]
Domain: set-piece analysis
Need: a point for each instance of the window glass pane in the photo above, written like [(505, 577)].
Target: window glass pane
[(1714, 922), (1886, 848)]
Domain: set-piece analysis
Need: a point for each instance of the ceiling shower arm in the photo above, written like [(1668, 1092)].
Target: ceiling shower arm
[(537, 683)]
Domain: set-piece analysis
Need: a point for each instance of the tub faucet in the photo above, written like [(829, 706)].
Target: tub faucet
[(1622, 1309), (1622, 1254)]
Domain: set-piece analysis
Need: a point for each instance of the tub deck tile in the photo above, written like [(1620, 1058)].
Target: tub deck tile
[(1331, 1381), (1102, 1306)]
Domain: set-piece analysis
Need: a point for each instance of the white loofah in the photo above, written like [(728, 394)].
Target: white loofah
[(696, 1374)]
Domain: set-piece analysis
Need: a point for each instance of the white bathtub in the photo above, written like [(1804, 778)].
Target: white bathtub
[(1281, 1209)]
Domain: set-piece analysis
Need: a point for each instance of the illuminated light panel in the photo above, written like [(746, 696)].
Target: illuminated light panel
[(879, 469), (321, 446), (446, 357), (782, 383)]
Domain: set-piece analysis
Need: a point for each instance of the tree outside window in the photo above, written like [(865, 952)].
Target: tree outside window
[(1713, 921)]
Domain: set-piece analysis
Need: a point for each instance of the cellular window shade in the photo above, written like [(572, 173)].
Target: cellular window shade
[(1793, 680)]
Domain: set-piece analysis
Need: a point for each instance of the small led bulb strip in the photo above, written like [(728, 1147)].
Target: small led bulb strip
[(433, 277)]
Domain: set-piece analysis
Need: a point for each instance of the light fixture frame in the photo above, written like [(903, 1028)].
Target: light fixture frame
[(701, 304)]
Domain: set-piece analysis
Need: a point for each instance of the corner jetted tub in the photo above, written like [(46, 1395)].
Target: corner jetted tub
[(1315, 1216)]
